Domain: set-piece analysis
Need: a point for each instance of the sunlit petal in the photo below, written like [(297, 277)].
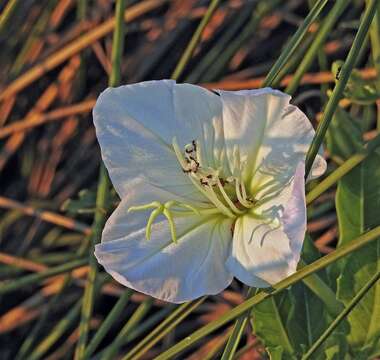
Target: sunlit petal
[(193, 267)]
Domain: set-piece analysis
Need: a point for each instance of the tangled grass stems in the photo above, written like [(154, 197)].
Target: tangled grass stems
[(102, 195), (344, 75)]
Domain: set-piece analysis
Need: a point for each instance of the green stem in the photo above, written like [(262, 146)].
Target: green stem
[(374, 34), (323, 291), (163, 329), (342, 170), (108, 322), (7, 13), (56, 333), (344, 75), (112, 350), (13, 285), (266, 293), (355, 300), (237, 332), (318, 42), (272, 77), (228, 35), (82, 6), (194, 40), (102, 193)]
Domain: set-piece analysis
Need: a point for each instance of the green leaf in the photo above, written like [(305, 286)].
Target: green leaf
[(275, 352), (268, 325), (343, 137), (358, 90), (358, 204), (294, 320), (309, 316)]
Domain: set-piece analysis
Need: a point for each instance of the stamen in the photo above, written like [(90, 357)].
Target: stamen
[(212, 197), (228, 200), (243, 191), (241, 194)]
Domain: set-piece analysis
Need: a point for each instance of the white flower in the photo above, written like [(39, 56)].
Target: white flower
[(211, 187)]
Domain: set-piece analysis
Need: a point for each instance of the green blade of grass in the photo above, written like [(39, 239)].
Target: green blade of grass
[(355, 300), (6, 14), (319, 40), (237, 332), (163, 329), (56, 333), (226, 37), (108, 322), (344, 75), (221, 62), (194, 40), (13, 285), (102, 192), (39, 325), (141, 311), (374, 33), (272, 78), (265, 294)]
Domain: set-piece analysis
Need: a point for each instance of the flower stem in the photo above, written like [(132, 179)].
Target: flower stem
[(344, 75), (277, 288), (194, 40), (355, 300), (102, 194)]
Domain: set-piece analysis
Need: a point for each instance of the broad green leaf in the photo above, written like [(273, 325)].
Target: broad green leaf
[(268, 325), (308, 317), (343, 138), (358, 205), (275, 353)]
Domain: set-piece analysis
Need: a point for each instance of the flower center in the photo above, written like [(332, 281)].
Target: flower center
[(227, 193)]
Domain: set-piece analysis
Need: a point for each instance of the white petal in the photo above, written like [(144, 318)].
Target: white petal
[(193, 267), (319, 167), (263, 254), (135, 126), (272, 135)]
